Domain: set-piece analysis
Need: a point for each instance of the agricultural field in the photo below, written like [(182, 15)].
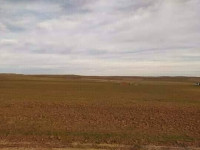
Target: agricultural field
[(58, 111)]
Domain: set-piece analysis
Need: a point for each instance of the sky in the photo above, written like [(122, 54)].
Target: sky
[(100, 37)]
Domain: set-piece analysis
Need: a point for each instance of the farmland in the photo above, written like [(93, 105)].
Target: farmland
[(61, 110)]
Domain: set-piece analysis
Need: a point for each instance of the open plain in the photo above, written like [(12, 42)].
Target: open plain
[(72, 111)]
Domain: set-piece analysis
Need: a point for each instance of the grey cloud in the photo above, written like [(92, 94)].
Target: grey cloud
[(115, 37)]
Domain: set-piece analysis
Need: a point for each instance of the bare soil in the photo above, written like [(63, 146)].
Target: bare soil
[(57, 111)]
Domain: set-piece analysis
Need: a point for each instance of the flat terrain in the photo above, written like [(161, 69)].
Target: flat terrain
[(56, 111)]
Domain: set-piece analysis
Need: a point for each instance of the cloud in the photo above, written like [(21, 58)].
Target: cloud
[(3, 28), (8, 42), (151, 37)]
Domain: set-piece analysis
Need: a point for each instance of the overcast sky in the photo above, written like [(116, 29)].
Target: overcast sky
[(100, 37)]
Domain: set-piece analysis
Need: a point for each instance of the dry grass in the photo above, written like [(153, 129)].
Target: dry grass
[(66, 109)]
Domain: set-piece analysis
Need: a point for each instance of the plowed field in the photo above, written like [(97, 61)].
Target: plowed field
[(60, 110)]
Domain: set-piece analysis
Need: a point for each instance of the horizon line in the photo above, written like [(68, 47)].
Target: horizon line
[(145, 76)]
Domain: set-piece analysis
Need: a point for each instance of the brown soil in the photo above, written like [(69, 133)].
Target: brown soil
[(54, 112), (137, 124)]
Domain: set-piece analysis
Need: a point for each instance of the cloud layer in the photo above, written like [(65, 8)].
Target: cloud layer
[(101, 37)]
